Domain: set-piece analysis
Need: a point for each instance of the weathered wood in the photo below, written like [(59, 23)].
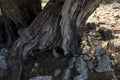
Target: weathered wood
[(61, 22), (20, 12), (45, 34), (74, 16), (16, 15)]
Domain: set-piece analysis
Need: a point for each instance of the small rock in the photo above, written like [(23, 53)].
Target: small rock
[(90, 65), (55, 54), (106, 34), (41, 78), (103, 65), (3, 65), (77, 52), (79, 77), (102, 57), (85, 57), (71, 62), (91, 26), (113, 24), (81, 67), (116, 15), (116, 7), (99, 51), (36, 65), (66, 75), (112, 57), (66, 52), (57, 72), (4, 52)]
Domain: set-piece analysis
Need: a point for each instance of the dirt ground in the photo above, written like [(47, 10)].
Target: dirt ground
[(108, 16)]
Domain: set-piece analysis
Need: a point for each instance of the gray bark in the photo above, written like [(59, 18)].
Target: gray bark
[(61, 22)]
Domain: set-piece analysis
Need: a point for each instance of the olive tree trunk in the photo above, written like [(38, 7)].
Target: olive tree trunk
[(17, 14), (59, 24)]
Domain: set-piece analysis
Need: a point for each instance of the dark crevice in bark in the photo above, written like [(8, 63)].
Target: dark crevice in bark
[(21, 12), (17, 15), (8, 31)]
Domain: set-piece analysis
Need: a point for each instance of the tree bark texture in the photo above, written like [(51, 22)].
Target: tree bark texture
[(60, 23), (20, 12), (17, 14), (8, 31)]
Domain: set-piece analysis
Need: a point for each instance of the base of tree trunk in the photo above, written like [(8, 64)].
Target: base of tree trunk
[(59, 25)]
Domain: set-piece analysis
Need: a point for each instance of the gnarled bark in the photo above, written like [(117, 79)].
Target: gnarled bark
[(20, 12), (59, 24), (16, 15)]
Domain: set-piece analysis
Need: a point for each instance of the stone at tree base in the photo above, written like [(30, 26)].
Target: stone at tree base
[(97, 51), (41, 78), (3, 66), (71, 62), (81, 67), (102, 57), (78, 52), (66, 75), (4, 52), (57, 72), (106, 34), (86, 57), (79, 77), (103, 64), (55, 53), (112, 57), (91, 26), (90, 65)]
